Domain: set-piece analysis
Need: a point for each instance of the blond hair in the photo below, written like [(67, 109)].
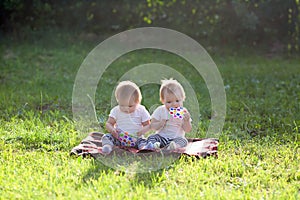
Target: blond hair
[(128, 90), (171, 86)]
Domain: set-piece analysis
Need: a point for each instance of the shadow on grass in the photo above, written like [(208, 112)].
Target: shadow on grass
[(146, 168), (96, 170), (150, 179), (155, 178)]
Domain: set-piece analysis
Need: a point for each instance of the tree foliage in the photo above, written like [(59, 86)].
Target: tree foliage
[(222, 21)]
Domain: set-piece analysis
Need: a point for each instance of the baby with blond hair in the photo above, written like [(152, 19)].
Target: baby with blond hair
[(128, 116), (170, 130)]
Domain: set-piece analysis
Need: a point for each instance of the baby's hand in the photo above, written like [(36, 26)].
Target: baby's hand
[(139, 133), (143, 130), (186, 115), (115, 133)]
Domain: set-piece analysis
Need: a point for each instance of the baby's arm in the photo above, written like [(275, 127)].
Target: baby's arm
[(110, 127), (145, 129), (157, 124), (186, 124)]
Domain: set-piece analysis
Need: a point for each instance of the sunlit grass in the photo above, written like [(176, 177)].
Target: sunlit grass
[(258, 151)]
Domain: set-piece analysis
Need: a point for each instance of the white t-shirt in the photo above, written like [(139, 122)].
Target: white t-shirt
[(130, 122), (173, 127)]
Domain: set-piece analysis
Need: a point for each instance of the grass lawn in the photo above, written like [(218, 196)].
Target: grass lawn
[(259, 156)]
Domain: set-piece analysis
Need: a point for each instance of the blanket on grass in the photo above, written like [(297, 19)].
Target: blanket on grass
[(197, 147)]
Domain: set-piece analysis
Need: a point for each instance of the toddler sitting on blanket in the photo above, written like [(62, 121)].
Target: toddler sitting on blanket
[(170, 120), (128, 119)]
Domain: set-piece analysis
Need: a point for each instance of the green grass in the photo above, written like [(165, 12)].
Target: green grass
[(259, 154)]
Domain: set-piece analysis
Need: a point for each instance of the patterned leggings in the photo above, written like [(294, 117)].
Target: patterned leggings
[(180, 141), (111, 140)]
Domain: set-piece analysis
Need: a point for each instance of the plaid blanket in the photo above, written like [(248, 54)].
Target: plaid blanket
[(197, 147)]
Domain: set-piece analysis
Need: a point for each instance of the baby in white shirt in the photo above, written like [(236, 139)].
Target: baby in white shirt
[(128, 116), (170, 130)]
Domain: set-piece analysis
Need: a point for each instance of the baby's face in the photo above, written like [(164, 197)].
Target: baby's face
[(172, 100), (127, 106)]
